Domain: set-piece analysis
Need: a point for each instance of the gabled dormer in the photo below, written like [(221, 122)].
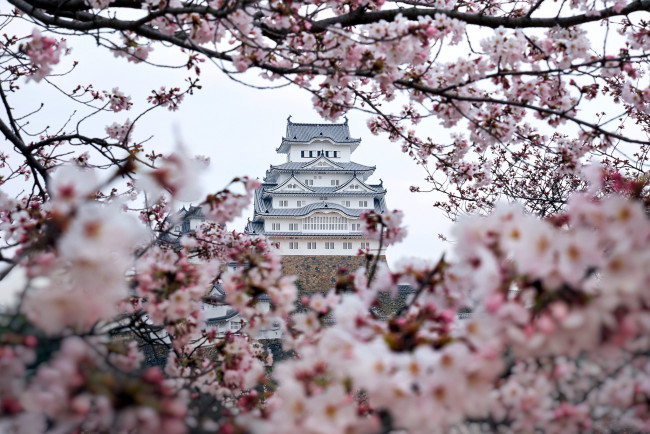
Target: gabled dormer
[(355, 185), (291, 185), (322, 162)]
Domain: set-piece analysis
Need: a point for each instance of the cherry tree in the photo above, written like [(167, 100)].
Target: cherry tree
[(547, 105)]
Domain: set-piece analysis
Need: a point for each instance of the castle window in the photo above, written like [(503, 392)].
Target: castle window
[(356, 227), (300, 203), (346, 203), (363, 204), (311, 246), (293, 226), (325, 224), (275, 226), (354, 187), (293, 246), (309, 182), (302, 154), (311, 154), (329, 246), (365, 245), (347, 246), (283, 203), (335, 182), (235, 325), (327, 153), (336, 154)]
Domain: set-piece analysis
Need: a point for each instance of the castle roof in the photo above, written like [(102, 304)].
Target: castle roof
[(331, 191), (306, 133), (264, 208), (300, 166)]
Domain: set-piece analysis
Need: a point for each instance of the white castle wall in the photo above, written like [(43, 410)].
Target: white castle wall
[(284, 244), (339, 200), (295, 154)]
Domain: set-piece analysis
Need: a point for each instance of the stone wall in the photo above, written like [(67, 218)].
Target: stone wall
[(318, 273)]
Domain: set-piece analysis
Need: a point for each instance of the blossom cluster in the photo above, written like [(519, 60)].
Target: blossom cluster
[(386, 227), (43, 52), (74, 389), (577, 282)]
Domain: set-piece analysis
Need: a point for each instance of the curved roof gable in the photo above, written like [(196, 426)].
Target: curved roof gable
[(292, 180), (362, 186), (322, 162), (338, 167)]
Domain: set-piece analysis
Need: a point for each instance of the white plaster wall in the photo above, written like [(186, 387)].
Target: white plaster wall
[(284, 224), (320, 244), (293, 198), (319, 145), (196, 222), (324, 179), (211, 311)]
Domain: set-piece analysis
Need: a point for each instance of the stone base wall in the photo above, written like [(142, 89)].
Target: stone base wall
[(318, 273)]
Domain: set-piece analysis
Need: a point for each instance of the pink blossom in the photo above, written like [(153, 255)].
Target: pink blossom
[(178, 174), (43, 52)]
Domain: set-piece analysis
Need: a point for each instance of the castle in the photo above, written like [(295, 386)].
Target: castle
[(310, 206)]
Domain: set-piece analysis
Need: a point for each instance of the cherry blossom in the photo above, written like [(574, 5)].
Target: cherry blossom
[(43, 52)]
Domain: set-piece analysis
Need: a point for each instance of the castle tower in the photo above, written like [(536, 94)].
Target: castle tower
[(310, 205)]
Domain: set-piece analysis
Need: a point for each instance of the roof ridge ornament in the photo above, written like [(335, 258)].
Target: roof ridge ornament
[(344, 123)]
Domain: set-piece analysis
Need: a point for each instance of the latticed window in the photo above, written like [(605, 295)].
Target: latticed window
[(363, 204), (325, 223), (311, 246), (329, 246), (275, 226), (293, 246), (347, 246), (365, 245)]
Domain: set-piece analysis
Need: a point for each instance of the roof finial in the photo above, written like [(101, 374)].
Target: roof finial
[(292, 174), (355, 174), (344, 117), (289, 119), (381, 182)]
